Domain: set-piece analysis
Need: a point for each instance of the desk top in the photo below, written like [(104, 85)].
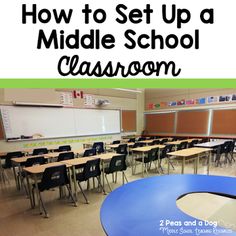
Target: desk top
[(83, 160), (210, 144), (184, 140), (19, 160), (38, 169), (139, 207), (117, 145), (147, 148), (189, 152)]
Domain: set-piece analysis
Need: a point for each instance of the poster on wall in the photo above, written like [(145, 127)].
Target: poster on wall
[(190, 102), (89, 100), (213, 99), (172, 104), (66, 98), (225, 98), (201, 101), (234, 97), (181, 102)]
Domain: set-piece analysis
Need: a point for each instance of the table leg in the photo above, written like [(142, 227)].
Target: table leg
[(132, 164), (16, 181), (197, 163), (209, 159), (37, 192), (75, 185), (183, 165), (168, 165), (29, 190), (103, 174), (143, 165)]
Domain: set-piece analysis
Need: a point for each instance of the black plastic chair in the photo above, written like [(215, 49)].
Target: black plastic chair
[(122, 149), (151, 156), (65, 156), (131, 140), (99, 147), (8, 165), (182, 145), (55, 176), (40, 151), (155, 142), (117, 164), (35, 161), (89, 152), (9, 156), (91, 170), (116, 142), (193, 143), (165, 150), (136, 145), (141, 139), (204, 140), (65, 148), (163, 141)]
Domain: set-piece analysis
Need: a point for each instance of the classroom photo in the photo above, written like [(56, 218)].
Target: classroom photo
[(117, 161)]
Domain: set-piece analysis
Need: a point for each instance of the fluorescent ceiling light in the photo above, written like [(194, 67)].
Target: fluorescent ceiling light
[(128, 90)]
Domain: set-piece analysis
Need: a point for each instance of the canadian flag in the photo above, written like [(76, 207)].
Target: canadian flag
[(78, 94)]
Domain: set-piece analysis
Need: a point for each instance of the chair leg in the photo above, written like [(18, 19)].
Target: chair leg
[(83, 193), (172, 165), (71, 195), (42, 204), (125, 177), (33, 197), (100, 184), (108, 183), (116, 178)]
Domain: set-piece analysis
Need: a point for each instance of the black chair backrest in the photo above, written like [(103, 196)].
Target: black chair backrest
[(11, 155), (193, 143), (152, 154), (231, 146), (53, 177), (136, 145), (182, 145), (99, 146), (155, 142), (89, 152), (65, 156), (92, 169), (116, 142), (131, 140), (227, 146), (117, 163), (35, 161), (165, 150), (122, 149), (204, 140), (141, 139), (164, 140), (174, 139), (40, 151), (64, 148)]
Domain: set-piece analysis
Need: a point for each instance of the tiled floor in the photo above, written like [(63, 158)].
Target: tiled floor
[(16, 217)]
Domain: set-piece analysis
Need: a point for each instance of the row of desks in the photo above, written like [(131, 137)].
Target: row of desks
[(35, 171)]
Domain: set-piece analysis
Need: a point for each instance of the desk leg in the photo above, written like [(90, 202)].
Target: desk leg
[(37, 192), (132, 163), (75, 184), (29, 190), (143, 165), (14, 172), (197, 164), (103, 174), (183, 165), (168, 165), (209, 160)]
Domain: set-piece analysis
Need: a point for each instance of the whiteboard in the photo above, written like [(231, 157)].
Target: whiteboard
[(53, 122)]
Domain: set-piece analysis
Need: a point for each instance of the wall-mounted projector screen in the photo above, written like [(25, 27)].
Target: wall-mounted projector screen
[(58, 122)]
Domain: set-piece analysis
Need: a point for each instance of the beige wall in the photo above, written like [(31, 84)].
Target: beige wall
[(118, 100)]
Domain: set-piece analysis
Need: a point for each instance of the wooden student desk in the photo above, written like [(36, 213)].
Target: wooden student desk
[(104, 157), (188, 154), (143, 151), (210, 144), (34, 172), (180, 141)]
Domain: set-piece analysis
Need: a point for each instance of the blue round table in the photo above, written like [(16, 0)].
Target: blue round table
[(148, 206)]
